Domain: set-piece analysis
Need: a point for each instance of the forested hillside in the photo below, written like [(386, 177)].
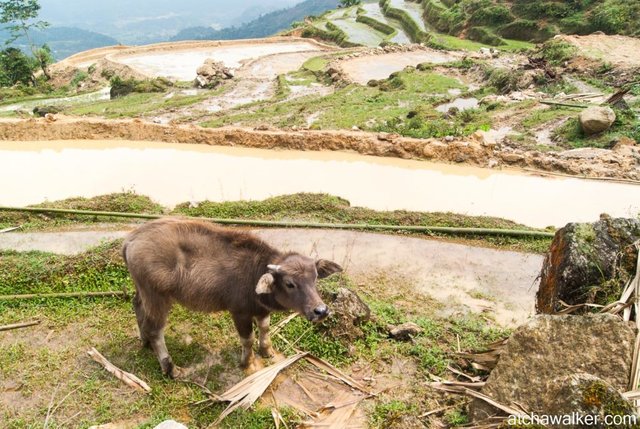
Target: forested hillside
[(266, 25)]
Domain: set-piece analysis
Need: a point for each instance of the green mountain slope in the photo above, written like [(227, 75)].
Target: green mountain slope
[(488, 20), (266, 25), (63, 41)]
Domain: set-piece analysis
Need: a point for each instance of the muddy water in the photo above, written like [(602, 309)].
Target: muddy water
[(182, 64), (459, 103), (360, 71), (171, 173)]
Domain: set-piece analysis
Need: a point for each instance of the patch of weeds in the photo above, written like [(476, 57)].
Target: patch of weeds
[(558, 51), (456, 418), (387, 414), (126, 202), (542, 116), (479, 294)]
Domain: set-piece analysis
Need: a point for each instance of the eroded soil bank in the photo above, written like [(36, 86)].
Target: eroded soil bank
[(621, 163)]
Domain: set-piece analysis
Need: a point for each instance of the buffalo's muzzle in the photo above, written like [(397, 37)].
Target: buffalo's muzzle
[(319, 313)]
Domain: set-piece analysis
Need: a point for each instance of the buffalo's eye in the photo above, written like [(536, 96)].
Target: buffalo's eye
[(291, 285)]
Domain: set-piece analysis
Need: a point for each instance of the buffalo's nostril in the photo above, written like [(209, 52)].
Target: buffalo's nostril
[(321, 310)]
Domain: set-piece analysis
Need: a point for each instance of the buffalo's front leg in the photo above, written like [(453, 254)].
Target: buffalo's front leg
[(244, 325), (266, 349)]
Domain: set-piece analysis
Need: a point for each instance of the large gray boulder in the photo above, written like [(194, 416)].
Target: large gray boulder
[(552, 348), (596, 119), (588, 263), (587, 397)]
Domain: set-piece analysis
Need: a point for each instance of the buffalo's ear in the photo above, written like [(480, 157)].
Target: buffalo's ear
[(326, 268), (265, 284)]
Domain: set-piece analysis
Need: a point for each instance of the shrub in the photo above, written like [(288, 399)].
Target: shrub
[(492, 15), (558, 51), (523, 29), (484, 35), (121, 87)]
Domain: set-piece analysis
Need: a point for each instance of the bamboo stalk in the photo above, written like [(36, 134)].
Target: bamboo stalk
[(556, 103), (126, 377), (287, 224), (19, 325), (61, 295)]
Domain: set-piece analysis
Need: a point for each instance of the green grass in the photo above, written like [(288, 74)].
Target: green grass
[(542, 116), (349, 106), (570, 134), (456, 43), (315, 64), (127, 202), (136, 104)]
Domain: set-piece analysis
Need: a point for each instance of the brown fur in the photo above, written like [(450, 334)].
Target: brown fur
[(208, 268)]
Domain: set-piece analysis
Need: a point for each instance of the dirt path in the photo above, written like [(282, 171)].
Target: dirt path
[(617, 50), (465, 278)]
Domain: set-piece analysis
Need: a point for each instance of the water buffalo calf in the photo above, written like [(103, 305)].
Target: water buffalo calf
[(208, 268)]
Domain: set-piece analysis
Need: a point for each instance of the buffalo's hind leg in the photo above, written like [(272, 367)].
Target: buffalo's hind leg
[(152, 319)]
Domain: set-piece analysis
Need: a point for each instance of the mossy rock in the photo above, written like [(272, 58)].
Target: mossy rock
[(588, 263)]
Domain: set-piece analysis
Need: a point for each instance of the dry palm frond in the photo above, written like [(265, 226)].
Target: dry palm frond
[(447, 387), (485, 360), (335, 372), (249, 390), (472, 378), (337, 413), (126, 377)]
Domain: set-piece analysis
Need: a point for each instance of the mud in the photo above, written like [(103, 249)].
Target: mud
[(599, 163)]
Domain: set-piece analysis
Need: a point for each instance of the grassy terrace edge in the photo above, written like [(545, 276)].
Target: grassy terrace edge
[(302, 207)]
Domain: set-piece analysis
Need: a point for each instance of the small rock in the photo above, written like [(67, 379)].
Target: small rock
[(355, 128), (404, 332), (597, 119), (50, 117), (170, 424), (262, 127), (42, 111), (449, 139), (511, 157)]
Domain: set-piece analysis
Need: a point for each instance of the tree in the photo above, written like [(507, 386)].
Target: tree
[(349, 3), (21, 15), (15, 67)]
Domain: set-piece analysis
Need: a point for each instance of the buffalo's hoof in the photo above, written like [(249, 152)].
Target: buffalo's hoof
[(267, 352), (253, 366)]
